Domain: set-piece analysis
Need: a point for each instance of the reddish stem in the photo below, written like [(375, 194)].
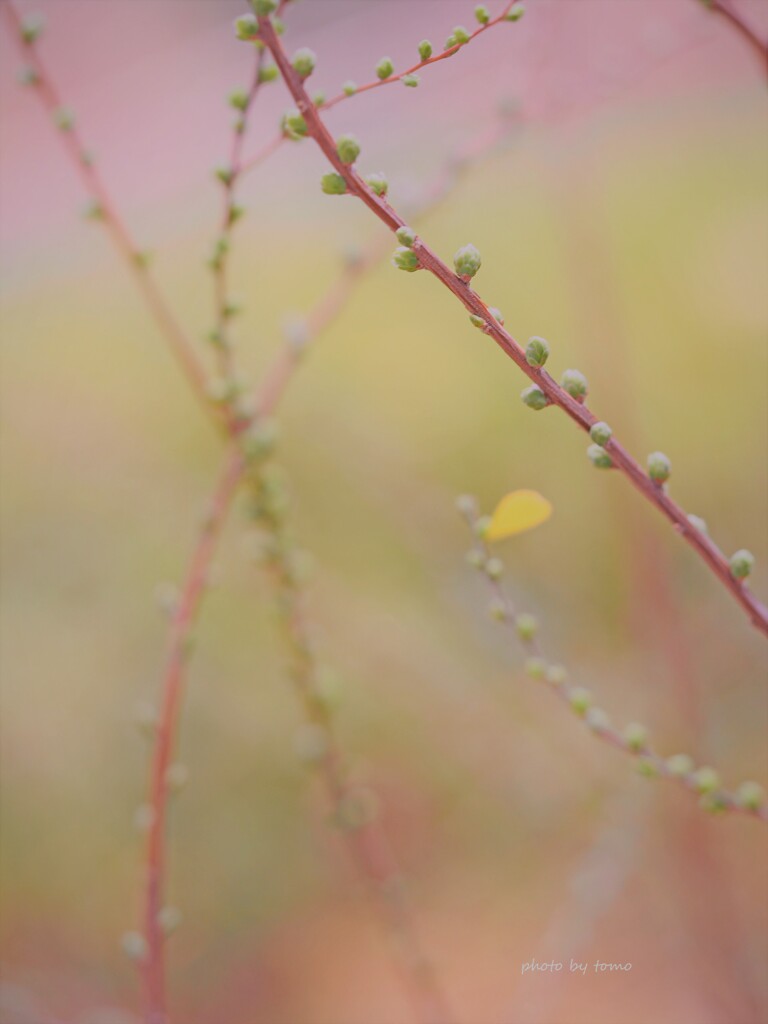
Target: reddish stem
[(578, 412), (172, 686), (171, 329), (277, 141), (728, 10)]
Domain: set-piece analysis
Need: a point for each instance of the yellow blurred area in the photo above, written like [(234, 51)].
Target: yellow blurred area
[(634, 238)]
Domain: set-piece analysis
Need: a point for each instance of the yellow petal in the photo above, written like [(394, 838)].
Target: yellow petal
[(517, 512)]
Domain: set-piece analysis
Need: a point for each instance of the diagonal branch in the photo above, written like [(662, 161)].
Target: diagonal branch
[(555, 394), (728, 10), (104, 209)]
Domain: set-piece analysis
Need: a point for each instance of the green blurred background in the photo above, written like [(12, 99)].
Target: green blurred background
[(625, 219)]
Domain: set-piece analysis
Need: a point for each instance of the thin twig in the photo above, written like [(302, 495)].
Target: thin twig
[(714, 798), (172, 691), (352, 808), (105, 209), (230, 213), (555, 394), (728, 10), (267, 150)]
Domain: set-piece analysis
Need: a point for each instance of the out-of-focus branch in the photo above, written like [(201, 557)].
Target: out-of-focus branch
[(748, 799), (183, 619), (353, 808), (103, 207), (728, 10), (457, 282)]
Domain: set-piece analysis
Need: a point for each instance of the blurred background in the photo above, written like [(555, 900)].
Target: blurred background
[(625, 219)]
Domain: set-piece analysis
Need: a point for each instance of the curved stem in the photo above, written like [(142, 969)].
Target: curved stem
[(727, 10), (556, 395)]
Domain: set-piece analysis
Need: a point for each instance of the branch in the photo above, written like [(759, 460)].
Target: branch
[(353, 808), (184, 615), (231, 213), (728, 10), (749, 798), (409, 77), (553, 393), (103, 207)]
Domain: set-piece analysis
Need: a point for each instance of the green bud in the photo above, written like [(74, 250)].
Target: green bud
[(580, 700), (494, 568), (496, 314), (706, 780), (482, 15), (293, 124), (475, 558), (482, 525), (536, 352), (636, 737), (333, 184), (536, 668), (466, 505), (303, 62), (526, 626), (264, 7), (406, 236), (534, 397), (384, 68), (64, 119), (478, 321), (647, 768), (659, 467), (467, 261), (425, 49), (461, 35), (176, 777), (750, 796), (405, 259), (238, 99), (599, 457), (597, 720), (348, 148), (27, 76), (93, 210), (145, 718), (355, 810), (311, 743), (246, 27), (134, 945), (224, 174), (575, 383), (698, 524), (742, 564), (410, 80), (450, 42), (378, 183), (260, 441), (600, 433), (557, 675), (268, 73), (235, 213), (679, 765), (349, 88), (497, 609), (169, 920), (31, 28), (319, 99), (713, 803), (515, 14)]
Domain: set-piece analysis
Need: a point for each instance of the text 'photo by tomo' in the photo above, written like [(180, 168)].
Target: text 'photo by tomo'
[(384, 512)]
